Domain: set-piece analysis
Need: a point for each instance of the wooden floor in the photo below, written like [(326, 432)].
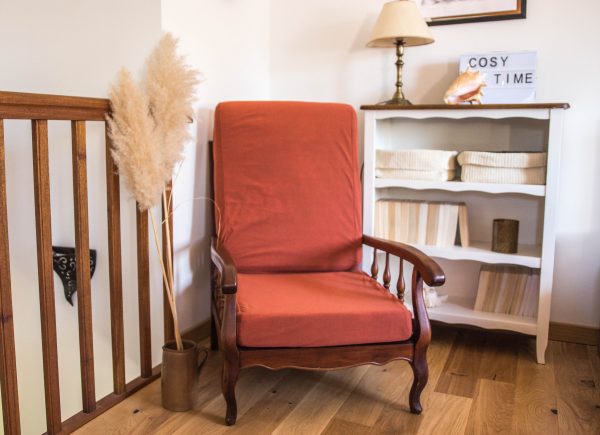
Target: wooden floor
[(480, 382)]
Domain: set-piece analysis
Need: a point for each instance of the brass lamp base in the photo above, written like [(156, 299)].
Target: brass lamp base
[(395, 102), (398, 99)]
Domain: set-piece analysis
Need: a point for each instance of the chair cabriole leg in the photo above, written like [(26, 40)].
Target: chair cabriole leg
[(230, 376), (421, 374)]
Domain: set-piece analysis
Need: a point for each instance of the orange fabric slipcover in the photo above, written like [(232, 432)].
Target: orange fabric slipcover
[(317, 309), (287, 186)]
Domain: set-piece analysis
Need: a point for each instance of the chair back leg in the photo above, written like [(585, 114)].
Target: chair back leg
[(214, 335)]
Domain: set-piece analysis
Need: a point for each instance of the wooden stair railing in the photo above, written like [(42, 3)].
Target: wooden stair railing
[(40, 109)]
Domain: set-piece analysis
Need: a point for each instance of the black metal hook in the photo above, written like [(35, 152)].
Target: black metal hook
[(63, 260)]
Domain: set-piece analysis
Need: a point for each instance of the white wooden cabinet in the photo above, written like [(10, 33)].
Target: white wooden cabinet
[(531, 127)]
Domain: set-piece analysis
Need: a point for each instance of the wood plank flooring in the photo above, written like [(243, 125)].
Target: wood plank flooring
[(479, 383)]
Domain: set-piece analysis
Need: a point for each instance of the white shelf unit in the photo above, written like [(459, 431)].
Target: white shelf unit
[(513, 128)]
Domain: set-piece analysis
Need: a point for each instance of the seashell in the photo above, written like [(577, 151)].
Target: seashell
[(432, 298), (468, 87)]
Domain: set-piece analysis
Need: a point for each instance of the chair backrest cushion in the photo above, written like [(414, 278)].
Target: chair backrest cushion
[(287, 188)]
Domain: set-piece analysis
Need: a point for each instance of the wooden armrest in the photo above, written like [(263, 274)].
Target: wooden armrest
[(224, 263), (431, 272)]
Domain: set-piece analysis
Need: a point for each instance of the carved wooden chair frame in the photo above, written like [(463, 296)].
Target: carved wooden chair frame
[(413, 350)]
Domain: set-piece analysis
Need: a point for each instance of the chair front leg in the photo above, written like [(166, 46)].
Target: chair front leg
[(421, 375), (231, 357), (422, 338), (230, 374)]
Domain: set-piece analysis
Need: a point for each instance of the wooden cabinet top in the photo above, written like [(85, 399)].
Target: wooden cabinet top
[(465, 106)]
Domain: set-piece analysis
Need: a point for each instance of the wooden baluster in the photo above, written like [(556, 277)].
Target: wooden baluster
[(82, 265), (43, 226), (167, 315), (400, 286), (374, 265), (143, 260), (387, 275), (113, 203), (8, 364)]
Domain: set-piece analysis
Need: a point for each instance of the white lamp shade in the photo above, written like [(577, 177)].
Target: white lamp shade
[(400, 19)]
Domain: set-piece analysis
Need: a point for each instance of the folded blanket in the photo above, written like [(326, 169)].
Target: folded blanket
[(486, 174), (416, 160), (502, 160), (409, 174)]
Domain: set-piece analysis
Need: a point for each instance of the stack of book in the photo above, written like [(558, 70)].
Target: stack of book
[(422, 223), (508, 290)]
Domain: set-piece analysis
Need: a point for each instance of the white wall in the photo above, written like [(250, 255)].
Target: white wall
[(71, 47), (317, 52), (228, 42)]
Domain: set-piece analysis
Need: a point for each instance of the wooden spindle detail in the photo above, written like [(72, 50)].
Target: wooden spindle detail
[(387, 275), (374, 265), (43, 227), (113, 204), (82, 265), (143, 260), (8, 364), (168, 316), (400, 286)]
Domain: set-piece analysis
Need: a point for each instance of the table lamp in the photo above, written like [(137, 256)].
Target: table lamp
[(400, 25)]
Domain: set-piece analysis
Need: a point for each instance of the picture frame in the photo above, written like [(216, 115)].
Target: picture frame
[(442, 12)]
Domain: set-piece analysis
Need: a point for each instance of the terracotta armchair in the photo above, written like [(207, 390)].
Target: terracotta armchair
[(287, 286)]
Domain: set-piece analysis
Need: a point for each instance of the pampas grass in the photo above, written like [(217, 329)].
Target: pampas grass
[(148, 126), (169, 85), (148, 129), (134, 144)]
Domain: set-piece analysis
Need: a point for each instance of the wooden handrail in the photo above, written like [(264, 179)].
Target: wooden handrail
[(17, 105), (41, 108)]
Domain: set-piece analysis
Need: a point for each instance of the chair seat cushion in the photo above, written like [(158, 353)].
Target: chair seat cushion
[(317, 309)]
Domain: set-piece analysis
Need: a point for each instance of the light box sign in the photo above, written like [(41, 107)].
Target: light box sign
[(509, 77)]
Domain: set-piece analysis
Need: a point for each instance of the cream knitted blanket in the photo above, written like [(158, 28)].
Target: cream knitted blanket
[(502, 160), (416, 160)]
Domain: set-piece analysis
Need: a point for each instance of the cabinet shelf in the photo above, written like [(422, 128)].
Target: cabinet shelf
[(460, 311), (527, 255), (461, 186)]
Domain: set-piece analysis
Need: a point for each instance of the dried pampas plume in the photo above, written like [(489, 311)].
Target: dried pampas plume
[(169, 85), (134, 144), (149, 123), (148, 128)]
